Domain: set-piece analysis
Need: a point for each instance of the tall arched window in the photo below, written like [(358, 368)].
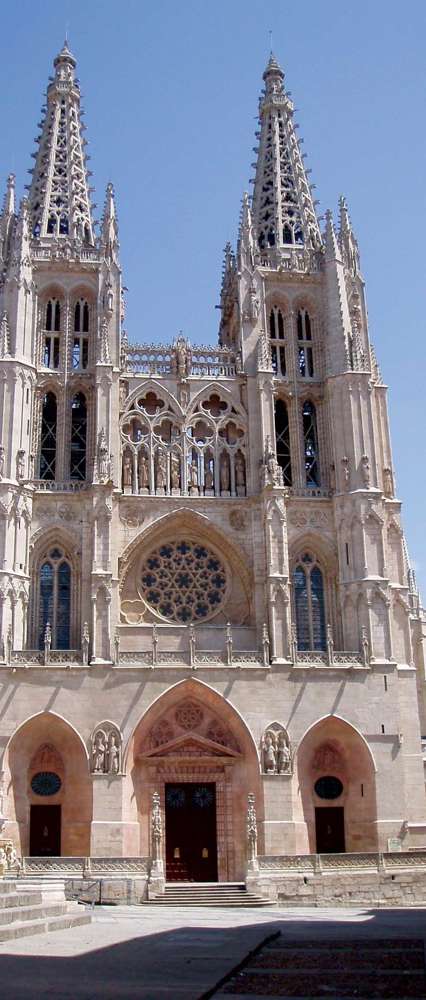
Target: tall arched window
[(277, 341), (80, 351), (309, 604), (78, 436), (304, 344), (52, 327), (48, 437), (282, 438), (54, 599), (310, 444)]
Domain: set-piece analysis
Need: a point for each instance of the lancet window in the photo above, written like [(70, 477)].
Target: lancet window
[(48, 436), (304, 344), (80, 350), (204, 455), (53, 596), (282, 439), (78, 437), (277, 342), (310, 444), (309, 603), (51, 334)]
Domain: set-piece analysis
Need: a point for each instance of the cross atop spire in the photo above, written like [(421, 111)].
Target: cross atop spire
[(59, 190), (283, 208)]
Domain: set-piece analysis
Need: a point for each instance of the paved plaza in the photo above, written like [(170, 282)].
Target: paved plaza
[(152, 953)]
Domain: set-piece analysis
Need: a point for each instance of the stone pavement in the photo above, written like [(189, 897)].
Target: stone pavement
[(183, 954)]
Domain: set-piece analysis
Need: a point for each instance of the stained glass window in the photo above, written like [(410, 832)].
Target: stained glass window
[(309, 604), (55, 599), (183, 581)]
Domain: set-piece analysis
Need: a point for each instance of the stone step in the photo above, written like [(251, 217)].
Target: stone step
[(41, 925), (232, 894), (20, 898), (22, 914)]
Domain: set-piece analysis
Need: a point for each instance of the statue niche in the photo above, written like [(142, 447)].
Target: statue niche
[(276, 750), (106, 748)]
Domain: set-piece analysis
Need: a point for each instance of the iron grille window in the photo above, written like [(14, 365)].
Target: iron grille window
[(282, 438), (304, 341), (48, 437), (310, 444), (78, 437), (55, 599), (277, 338), (309, 603)]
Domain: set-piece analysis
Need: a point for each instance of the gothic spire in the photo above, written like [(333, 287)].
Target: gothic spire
[(347, 240), (283, 209), (59, 190), (109, 227), (7, 218), (245, 248)]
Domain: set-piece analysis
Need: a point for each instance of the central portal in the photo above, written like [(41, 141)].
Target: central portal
[(191, 842)]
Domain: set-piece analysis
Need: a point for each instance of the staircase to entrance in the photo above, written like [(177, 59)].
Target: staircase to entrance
[(27, 909), (234, 894)]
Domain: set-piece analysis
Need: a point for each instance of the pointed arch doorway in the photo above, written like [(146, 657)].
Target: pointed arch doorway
[(194, 750)]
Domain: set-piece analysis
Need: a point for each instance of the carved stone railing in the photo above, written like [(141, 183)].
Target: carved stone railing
[(374, 861), (51, 486), (54, 657), (85, 867), (309, 492), (292, 259), (316, 658), (183, 658), (159, 359), (63, 251)]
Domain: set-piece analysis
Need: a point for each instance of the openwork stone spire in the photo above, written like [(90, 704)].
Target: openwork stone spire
[(59, 191), (283, 209)]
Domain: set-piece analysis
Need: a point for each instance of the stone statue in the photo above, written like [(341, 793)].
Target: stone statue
[(193, 476), (20, 464), (102, 456), (127, 469), (161, 471), (365, 470), (224, 472), (2, 459), (251, 830), (113, 754), (269, 753), (346, 471), (143, 471), (156, 829), (208, 474), (272, 473), (175, 471), (182, 357), (387, 482), (240, 471), (283, 754), (99, 753)]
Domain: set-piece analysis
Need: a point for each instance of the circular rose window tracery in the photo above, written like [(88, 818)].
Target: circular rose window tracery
[(183, 581)]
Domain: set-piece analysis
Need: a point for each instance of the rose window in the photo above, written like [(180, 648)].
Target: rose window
[(183, 581)]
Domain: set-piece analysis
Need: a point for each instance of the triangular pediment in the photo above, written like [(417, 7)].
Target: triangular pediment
[(191, 745)]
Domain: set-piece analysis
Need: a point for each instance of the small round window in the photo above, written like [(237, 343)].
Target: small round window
[(46, 783), (328, 787)]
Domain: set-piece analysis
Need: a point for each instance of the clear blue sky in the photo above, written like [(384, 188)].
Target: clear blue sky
[(170, 92)]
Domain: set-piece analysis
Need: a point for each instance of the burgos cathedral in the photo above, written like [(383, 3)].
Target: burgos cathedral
[(211, 657)]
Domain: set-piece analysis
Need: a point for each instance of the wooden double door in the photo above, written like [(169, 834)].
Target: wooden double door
[(191, 839)]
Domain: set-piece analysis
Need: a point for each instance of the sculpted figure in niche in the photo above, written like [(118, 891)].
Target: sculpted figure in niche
[(240, 471), (99, 753), (175, 471), (269, 753), (208, 475), (2, 458), (365, 470), (102, 456), (224, 472), (143, 471), (113, 754), (193, 477), (283, 754), (387, 482), (127, 470), (161, 473)]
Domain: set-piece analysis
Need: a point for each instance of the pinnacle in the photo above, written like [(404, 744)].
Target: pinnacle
[(273, 66), (65, 56)]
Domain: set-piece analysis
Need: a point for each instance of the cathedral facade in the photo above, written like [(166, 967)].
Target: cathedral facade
[(211, 638)]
